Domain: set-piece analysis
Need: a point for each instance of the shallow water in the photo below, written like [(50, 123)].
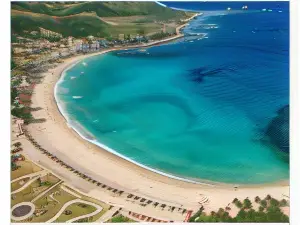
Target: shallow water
[(196, 108)]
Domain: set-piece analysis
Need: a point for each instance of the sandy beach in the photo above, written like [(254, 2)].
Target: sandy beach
[(62, 141)]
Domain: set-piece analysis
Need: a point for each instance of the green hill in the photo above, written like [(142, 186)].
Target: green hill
[(80, 19)]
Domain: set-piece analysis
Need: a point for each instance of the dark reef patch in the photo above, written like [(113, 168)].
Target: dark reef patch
[(197, 75), (278, 130)]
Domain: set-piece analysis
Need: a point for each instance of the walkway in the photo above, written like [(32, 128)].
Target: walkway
[(29, 182), (109, 214), (44, 192), (69, 191), (98, 210), (29, 175)]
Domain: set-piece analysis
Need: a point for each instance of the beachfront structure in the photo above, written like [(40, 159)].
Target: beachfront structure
[(20, 123)]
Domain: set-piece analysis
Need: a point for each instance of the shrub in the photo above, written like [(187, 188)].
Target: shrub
[(119, 219)]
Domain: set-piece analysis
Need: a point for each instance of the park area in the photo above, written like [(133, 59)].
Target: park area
[(39, 196)]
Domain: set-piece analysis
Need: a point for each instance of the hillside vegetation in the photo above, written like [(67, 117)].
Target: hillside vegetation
[(80, 19)]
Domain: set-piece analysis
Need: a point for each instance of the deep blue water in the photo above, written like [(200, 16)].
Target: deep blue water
[(196, 108)]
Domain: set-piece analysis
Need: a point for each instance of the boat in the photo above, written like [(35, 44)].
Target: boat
[(228, 9), (264, 10), (76, 97)]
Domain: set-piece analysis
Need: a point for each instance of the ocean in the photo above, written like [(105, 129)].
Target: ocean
[(196, 108)]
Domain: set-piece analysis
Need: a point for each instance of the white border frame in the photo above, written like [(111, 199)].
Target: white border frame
[(294, 111)]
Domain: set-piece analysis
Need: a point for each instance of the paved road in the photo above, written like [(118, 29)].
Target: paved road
[(106, 216), (98, 209)]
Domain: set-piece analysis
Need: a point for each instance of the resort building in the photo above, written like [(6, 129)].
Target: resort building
[(49, 33), (122, 37), (70, 41)]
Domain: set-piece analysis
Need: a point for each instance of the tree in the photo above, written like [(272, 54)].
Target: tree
[(257, 199), (241, 215), (263, 203), (247, 203), (238, 204), (283, 202), (268, 197), (235, 200), (197, 214), (274, 202), (261, 209)]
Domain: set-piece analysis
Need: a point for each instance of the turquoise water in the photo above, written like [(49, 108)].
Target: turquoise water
[(196, 108)]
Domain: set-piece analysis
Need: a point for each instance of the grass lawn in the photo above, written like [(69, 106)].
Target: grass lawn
[(76, 211), (17, 184), (120, 219), (33, 190), (104, 206), (27, 194), (50, 205), (27, 167)]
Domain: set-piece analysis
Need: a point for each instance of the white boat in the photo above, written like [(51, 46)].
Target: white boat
[(270, 10), (76, 97), (264, 10), (82, 72), (228, 9), (280, 11), (73, 78), (84, 63)]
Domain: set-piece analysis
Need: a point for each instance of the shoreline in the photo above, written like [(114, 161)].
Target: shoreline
[(102, 146), (101, 163)]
